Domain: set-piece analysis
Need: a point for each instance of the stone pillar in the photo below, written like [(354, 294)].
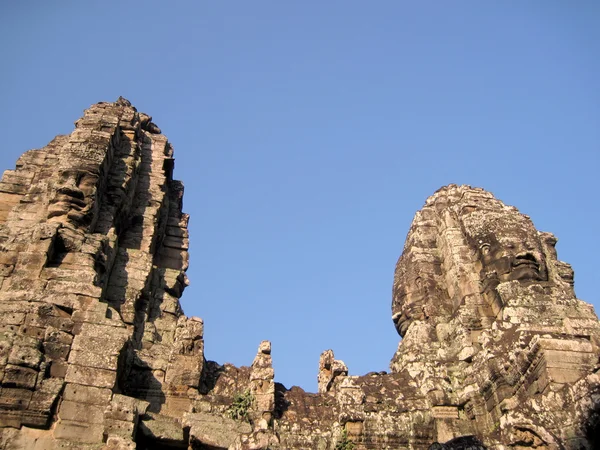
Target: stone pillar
[(262, 386), (329, 369)]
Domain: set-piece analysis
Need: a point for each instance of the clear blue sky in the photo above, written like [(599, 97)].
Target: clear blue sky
[(308, 133)]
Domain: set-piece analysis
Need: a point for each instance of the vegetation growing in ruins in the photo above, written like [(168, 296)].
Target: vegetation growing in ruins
[(344, 443), (240, 406)]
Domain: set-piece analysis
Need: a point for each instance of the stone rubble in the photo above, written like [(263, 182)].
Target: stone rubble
[(95, 352)]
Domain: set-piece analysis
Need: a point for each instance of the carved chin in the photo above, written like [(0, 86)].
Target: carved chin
[(77, 216)]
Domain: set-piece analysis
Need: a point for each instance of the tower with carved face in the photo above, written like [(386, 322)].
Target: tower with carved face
[(461, 246), (485, 289), (93, 247)]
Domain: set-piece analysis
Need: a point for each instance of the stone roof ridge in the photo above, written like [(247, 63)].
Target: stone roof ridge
[(455, 190), (122, 101)]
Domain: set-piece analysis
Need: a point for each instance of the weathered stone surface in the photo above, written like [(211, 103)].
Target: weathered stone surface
[(83, 223), (95, 352), (329, 370), (484, 289), (214, 431), (262, 386)]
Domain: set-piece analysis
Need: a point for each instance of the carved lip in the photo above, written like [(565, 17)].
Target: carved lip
[(401, 322), (527, 260)]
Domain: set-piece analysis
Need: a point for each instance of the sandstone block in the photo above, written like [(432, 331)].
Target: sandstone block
[(20, 377), (214, 431), (80, 432), (121, 428), (93, 359), (13, 398), (89, 376), (184, 370), (25, 356), (73, 411), (78, 393), (118, 441)]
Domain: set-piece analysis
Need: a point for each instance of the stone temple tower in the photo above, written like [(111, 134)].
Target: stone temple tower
[(96, 353)]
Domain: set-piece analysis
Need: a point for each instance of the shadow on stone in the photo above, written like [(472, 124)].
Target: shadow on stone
[(592, 427), (281, 404), (152, 436), (141, 383), (460, 443), (210, 375)]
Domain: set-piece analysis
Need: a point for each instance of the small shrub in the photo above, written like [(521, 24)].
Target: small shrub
[(242, 402), (344, 443)]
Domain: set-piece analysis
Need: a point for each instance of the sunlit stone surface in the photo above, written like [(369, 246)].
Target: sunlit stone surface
[(95, 352)]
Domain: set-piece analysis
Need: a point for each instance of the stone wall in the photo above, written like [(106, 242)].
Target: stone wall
[(95, 352)]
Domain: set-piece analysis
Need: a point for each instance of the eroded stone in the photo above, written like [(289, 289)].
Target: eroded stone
[(95, 352)]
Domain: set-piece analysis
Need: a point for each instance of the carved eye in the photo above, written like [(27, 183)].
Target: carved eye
[(484, 249), (467, 209)]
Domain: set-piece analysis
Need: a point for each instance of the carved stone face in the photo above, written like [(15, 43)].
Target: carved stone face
[(417, 298), (409, 299), (74, 196), (507, 245)]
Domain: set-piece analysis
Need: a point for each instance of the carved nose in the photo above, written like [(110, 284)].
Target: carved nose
[(527, 255)]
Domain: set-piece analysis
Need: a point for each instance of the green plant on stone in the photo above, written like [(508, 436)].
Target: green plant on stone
[(344, 443), (240, 407)]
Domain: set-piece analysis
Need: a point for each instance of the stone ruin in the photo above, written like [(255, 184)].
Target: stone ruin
[(95, 352)]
